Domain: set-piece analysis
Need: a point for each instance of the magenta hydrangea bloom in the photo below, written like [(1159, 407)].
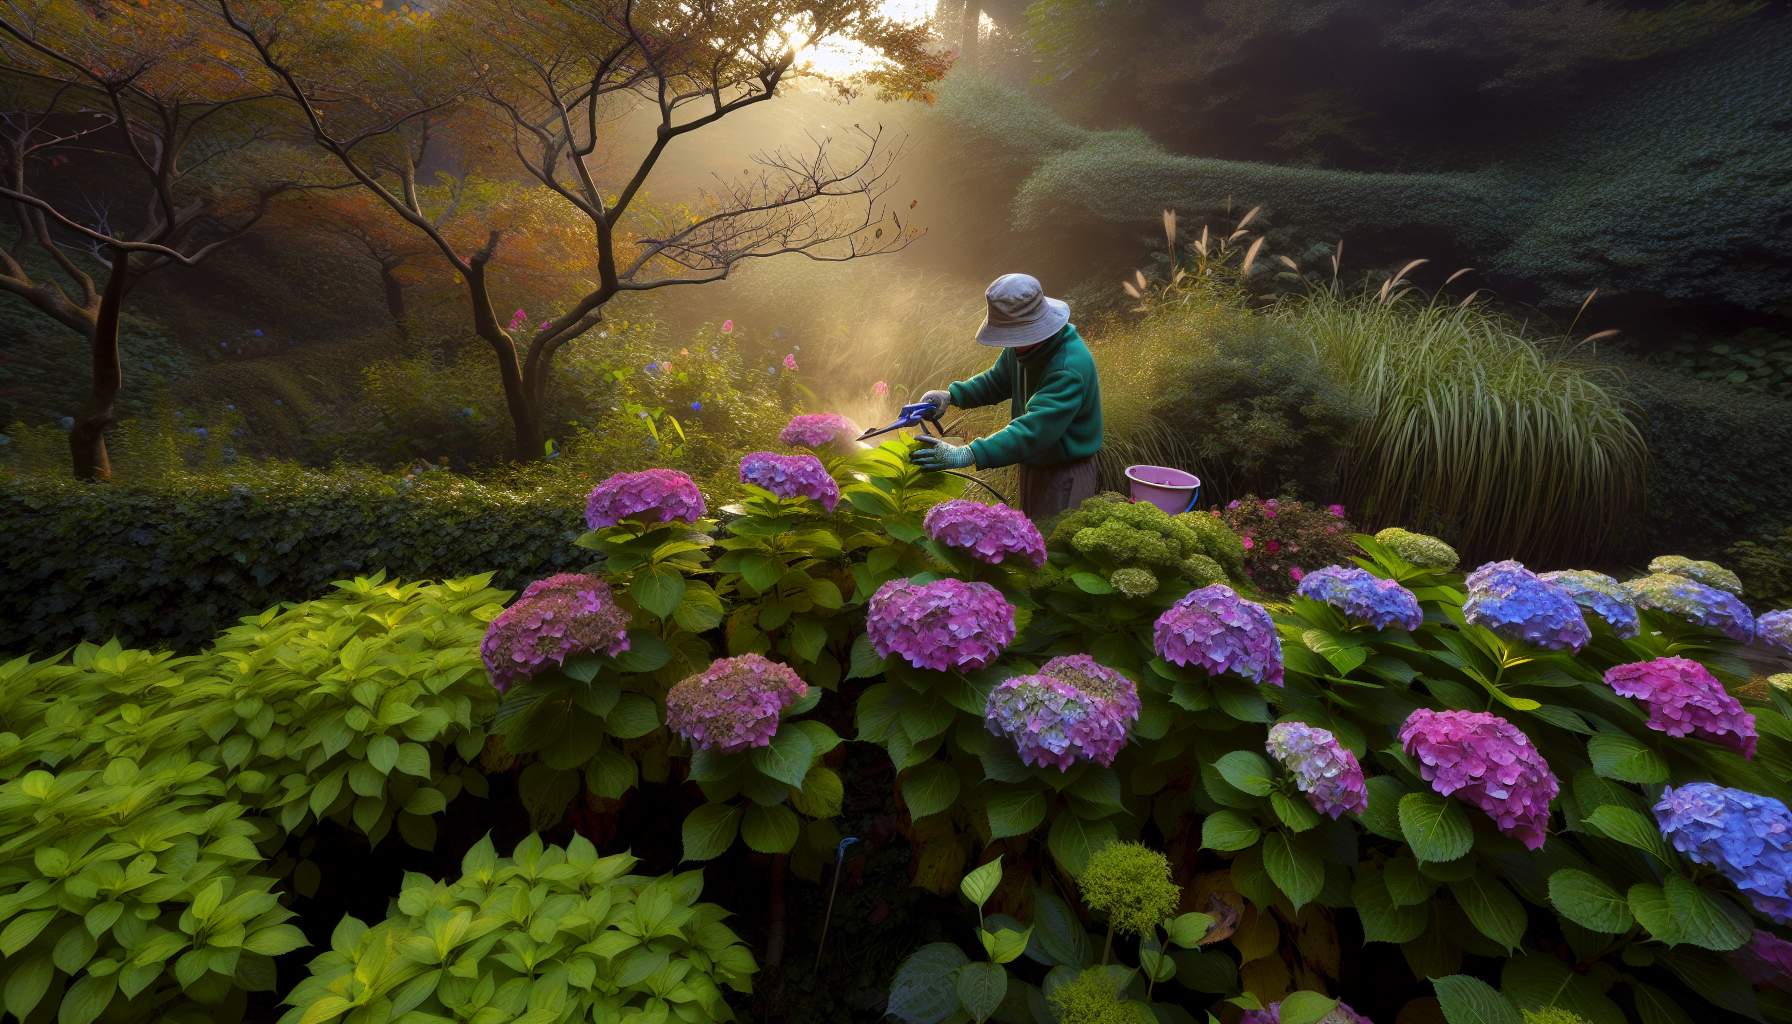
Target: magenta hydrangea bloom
[(1517, 605), (821, 431), (734, 704), (1052, 723), (791, 476), (946, 624), (1272, 1014), (554, 618), (1221, 632), (1684, 699), (1696, 603), (1326, 772), (1775, 629), (1363, 597), (651, 495), (1106, 685), (989, 533), (1482, 759)]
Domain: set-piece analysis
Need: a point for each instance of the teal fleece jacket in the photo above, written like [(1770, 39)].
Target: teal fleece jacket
[(1054, 404)]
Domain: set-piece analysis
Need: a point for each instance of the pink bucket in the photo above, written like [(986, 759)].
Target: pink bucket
[(1169, 489)]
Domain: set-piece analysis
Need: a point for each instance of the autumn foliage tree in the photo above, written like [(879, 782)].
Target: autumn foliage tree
[(544, 84), (131, 138)]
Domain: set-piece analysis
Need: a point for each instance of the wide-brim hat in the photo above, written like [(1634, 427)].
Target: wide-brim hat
[(1020, 313)]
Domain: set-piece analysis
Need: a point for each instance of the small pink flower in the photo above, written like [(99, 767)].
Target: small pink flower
[(545, 324), (1336, 510), (1268, 513), (790, 360), (1296, 572), (1249, 543), (881, 388), (1272, 547), (727, 327)]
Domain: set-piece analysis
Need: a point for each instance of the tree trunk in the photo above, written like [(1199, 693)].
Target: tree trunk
[(524, 417), (87, 440), (969, 29), (394, 295)]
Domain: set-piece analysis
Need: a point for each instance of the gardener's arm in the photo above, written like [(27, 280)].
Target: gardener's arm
[(993, 385), (1033, 432)]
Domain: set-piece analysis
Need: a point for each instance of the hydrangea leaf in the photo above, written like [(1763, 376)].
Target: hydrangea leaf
[(658, 589), (929, 789), (981, 988), (1588, 901), (1015, 812), (710, 830), (1294, 867), (1491, 908), (1246, 772), (980, 884), (1467, 1000), (1228, 831), (1435, 828), (1704, 918), (769, 829), (1630, 828)]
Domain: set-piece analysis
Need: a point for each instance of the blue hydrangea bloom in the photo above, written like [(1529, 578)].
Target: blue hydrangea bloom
[(1599, 594), (1517, 605), (1696, 603), (1745, 836), (1775, 629), (1363, 597)]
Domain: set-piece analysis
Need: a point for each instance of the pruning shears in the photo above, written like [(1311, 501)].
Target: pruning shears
[(915, 414)]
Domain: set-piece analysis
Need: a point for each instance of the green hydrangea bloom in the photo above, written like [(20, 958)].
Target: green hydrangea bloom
[(1216, 540), (1552, 1015), (1422, 550), (1781, 681), (1709, 573), (1133, 582), (1130, 883), (1203, 571), (1090, 998), (1116, 541)]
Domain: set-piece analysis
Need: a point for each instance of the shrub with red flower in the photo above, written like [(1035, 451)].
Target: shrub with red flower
[(1286, 539)]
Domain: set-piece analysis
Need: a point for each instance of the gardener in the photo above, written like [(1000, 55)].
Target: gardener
[(1047, 376)]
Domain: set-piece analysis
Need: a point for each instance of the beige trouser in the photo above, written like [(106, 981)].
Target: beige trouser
[(1046, 491)]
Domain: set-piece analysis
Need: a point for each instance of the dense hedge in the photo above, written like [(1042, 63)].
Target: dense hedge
[(170, 563)]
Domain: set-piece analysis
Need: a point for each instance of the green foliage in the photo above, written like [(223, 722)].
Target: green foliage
[(171, 561), (550, 933), (1758, 360), (1130, 884), (132, 891), (1765, 567), (1262, 413)]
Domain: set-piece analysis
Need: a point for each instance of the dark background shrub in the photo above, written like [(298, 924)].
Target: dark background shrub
[(170, 564)]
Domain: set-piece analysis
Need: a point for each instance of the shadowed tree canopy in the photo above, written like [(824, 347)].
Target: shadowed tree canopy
[(539, 91)]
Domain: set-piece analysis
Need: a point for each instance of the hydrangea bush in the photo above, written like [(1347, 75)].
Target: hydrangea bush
[(555, 618), (1486, 761), (942, 625), (1517, 605), (648, 496), (1322, 768), (1684, 699), (791, 476), (1216, 630), (1363, 597), (988, 533)]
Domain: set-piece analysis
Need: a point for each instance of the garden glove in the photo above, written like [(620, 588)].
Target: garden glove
[(940, 455), (939, 400)]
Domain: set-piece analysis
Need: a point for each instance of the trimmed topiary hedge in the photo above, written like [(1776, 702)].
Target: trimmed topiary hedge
[(170, 563)]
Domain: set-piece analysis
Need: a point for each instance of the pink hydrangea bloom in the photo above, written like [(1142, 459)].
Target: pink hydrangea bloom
[(1327, 773), (1054, 722), (651, 495), (791, 476), (554, 618), (881, 389), (1336, 510), (790, 360), (734, 704), (1105, 685), (1221, 632), (1684, 699), (1482, 759), (727, 327), (989, 533), (820, 430), (946, 624)]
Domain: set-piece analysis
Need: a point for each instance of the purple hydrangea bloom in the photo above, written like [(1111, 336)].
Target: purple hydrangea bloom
[(1599, 594), (1363, 597), (1684, 699), (733, 704), (1745, 836), (1484, 760), (1221, 632), (555, 617), (1775, 629), (1109, 687), (1766, 960), (651, 495), (946, 624), (1326, 772), (989, 533), (791, 476), (821, 430), (1272, 1014), (1696, 603), (1052, 722), (1515, 604)]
